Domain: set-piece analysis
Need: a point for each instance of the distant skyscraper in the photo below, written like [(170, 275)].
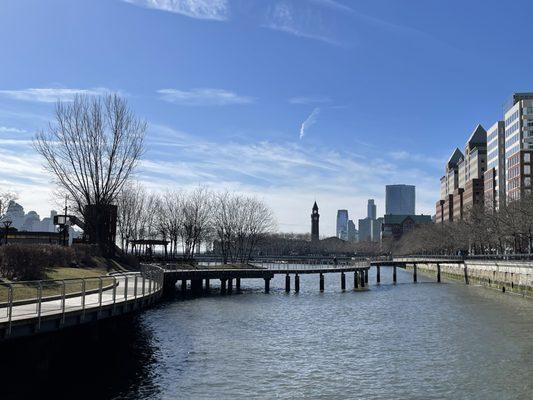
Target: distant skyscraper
[(399, 199), (371, 209), (352, 232), (342, 224), (315, 216)]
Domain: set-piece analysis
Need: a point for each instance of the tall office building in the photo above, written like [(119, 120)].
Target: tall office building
[(518, 144), (371, 209), (400, 199), (352, 231), (494, 179), (342, 224)]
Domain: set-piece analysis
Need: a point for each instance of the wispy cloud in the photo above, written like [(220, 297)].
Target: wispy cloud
[(203, 97), (216, 10), (310, 120), (9, 129), (332, 4), (284, 18), (51, 95), (309, 100)]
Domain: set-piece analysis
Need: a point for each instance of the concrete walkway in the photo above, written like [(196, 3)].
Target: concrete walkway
[(52, 307)]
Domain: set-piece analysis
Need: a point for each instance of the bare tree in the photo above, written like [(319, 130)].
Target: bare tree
[(91, 149), (130, 203), (5, 198)]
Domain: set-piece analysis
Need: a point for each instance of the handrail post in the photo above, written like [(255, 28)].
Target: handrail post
[(10, 309), (83, 290), (39, 304), (126, 288), (114, 293), (135, 287), (100, 284), (63, 294)]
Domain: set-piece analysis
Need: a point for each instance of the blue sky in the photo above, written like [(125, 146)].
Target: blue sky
[(290, 100)]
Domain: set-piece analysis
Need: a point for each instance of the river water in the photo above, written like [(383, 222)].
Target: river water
[(408, 341)]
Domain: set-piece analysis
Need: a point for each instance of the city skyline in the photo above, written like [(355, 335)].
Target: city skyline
[(316, 131)]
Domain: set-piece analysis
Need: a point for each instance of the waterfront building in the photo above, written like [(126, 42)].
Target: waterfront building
[(315, 217), (462, 186), (342, 224), (494, 178), (365, 230), (394, 226), (399, 199), (518, 144)]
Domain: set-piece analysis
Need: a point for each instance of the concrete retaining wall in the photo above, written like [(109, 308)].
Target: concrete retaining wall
[(513, 276)]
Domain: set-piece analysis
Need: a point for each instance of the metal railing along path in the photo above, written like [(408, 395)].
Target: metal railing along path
[(38, 299)]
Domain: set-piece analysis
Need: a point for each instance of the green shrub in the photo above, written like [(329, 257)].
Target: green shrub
[(30, 261)]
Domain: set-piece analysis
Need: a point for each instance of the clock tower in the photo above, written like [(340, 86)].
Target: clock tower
[(315, 216)]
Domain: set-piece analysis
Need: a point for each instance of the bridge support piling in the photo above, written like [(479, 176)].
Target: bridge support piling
[(297, 283), (414, 273), (366, 275), (438, 272), (356, 280), (378, 275), (287, 283), (207, 285), (343, 281), (394, 280), (230, 285), (362, 278), (321, 282), (267, 285), (238, 285), (466, 274), (223, 286), (183, 287)]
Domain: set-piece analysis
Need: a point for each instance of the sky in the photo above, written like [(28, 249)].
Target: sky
[(291, 101)]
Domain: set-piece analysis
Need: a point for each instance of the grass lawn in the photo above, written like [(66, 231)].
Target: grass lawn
[(29, 290)]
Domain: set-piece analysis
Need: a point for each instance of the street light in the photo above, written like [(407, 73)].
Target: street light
[(7, 223)]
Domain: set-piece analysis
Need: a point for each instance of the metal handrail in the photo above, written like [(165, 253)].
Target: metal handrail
[(47, 305)]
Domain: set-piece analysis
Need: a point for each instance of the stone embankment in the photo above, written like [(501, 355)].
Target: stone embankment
[(505, 275)]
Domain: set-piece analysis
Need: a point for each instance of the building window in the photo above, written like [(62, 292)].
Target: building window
[(527, 157)]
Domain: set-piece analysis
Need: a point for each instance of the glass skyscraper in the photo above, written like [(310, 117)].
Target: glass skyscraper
[(400, 199)]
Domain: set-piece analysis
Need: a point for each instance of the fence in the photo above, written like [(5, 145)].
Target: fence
[(34, 299)]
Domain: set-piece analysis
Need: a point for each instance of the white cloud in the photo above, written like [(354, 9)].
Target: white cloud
[(9, 129), (309, 100), (51, 95), (217, 10), (310, 120), (284, 19), (203, 97)]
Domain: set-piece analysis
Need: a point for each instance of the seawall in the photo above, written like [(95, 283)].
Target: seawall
[(507, 276)]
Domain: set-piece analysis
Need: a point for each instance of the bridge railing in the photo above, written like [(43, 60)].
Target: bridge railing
[(34, 299), (502, 257)]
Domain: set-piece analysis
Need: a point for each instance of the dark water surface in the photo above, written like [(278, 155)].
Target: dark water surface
[(409, 341)]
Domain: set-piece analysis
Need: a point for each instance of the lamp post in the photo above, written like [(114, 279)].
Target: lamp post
[(7, 223)]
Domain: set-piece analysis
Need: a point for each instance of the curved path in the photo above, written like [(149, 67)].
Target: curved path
[(131, 291)]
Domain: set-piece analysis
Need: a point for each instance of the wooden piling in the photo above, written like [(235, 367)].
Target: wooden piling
[(366, 276), (414, 273), (438, 272), (297, 283), (343, 281), (378, 275), (230, 285), (287, 283), (321, 282), (466, 274), (267, 285), (362, 278), (223, 286), (207, 285), (394, 280), (183, 286), (356, 280), (238, 284)]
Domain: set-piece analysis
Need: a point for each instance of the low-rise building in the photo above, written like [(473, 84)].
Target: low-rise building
[(394, 226)]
